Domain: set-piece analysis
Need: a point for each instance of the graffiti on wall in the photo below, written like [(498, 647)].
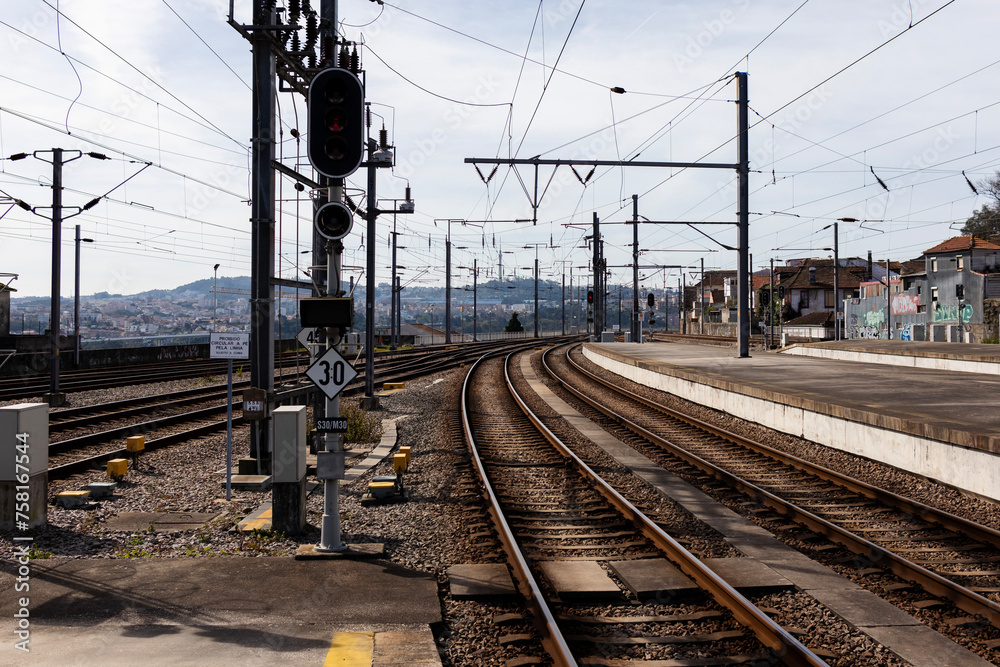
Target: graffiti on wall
[(863, 331), (906, 332), (874, 318), (905, 304), (949, 313)]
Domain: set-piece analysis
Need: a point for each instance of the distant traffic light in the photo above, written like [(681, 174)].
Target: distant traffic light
[(650, 300), (334, 220), (336, 111), (590, 296)]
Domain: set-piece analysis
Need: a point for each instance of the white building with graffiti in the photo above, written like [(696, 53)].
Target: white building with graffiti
[(948, 295)]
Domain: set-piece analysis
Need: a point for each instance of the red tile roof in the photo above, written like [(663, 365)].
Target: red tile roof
[(964, 243), (813, 319)]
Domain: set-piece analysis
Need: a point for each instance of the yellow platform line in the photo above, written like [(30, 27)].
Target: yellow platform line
[(261, 522), (350, 649)]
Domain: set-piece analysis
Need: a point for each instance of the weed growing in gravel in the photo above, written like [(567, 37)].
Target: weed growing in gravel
[(38, 554), (135, 553), (361, 426), (88, 523)]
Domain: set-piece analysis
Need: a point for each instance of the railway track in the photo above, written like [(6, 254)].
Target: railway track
[(14, 388), (550, 507), (175, 417), (950, 557)]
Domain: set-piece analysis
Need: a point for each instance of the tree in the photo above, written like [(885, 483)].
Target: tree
[(986, 221), (514, 326)]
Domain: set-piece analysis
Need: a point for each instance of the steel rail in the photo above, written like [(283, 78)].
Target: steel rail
[(552, 638), (67, 469), (770, 633), (934, 583)]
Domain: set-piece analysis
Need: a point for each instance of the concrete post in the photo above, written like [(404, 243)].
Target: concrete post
[(24, 464), (288, 510)]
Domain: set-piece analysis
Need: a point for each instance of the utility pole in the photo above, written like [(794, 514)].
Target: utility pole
[(370, 401), (635, 270), (55, 397), (475, 303), (392, 285), (598, 280), (536, 292), (836, 282), (447, 287), (770, 310), (76, 300), (262, 231), (564, 302), (743, 260), (701, 292), (682, 328)]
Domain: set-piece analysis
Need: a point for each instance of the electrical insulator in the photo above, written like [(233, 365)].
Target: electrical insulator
[(383, 140), (312, 31), (344, 60), (368, 116), (355, 65), (294, 12), (327, 52)]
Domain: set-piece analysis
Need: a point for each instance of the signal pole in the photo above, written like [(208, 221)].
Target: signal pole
[(635, 270), (262, 234), (55, 397)]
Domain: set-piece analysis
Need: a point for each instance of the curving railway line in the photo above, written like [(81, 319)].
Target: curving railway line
[(936, 555), (550, 507)]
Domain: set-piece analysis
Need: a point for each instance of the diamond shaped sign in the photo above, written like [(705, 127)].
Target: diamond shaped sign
[(331, 373)]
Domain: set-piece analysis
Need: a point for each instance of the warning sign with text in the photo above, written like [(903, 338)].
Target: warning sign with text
[(229, 346)]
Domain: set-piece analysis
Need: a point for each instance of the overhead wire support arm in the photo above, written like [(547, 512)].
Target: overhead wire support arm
[(600, 163)]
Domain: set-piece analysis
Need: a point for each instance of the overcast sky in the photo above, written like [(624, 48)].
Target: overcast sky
[(847, 99)]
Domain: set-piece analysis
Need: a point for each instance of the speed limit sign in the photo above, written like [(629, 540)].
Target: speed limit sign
[(331, 373)]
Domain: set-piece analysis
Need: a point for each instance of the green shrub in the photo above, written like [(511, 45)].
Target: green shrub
[(361, 426)]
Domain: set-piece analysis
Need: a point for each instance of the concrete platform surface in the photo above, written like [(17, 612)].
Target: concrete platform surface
[(940, 424), (962, 357), (199, 611)]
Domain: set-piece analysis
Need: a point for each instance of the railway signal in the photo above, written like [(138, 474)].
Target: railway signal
[(336, 111), (334, 220)]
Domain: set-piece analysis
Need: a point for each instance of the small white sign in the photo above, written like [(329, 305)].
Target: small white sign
[(331, 373), (309, 338), (229, 346)]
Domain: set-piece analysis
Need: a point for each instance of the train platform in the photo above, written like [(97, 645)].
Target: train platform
[(961, 357), (223, 611), (774, 561), (938, 423)]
